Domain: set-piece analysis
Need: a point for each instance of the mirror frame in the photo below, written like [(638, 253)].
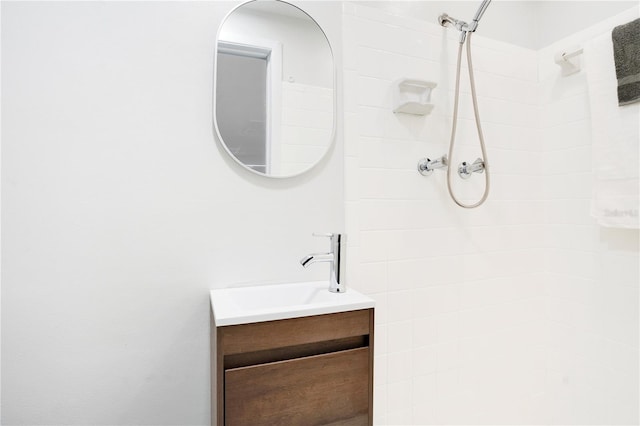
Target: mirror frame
[(332, 137)]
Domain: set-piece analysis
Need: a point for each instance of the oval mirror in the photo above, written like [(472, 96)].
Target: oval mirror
[(274, 88)]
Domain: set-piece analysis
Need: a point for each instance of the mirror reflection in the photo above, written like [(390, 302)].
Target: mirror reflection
[(274, 103)]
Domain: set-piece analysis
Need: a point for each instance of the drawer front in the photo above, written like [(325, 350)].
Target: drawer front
[(291, 332), (317, 390)]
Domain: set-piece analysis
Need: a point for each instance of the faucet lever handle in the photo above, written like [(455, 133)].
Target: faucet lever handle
[(323, 234), (333, 236)]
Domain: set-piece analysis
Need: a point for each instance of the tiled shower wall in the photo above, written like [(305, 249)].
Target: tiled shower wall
[(481, 314), (592, 287), (459, 299)]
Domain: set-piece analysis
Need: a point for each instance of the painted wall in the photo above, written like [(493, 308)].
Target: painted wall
[(121, 211)]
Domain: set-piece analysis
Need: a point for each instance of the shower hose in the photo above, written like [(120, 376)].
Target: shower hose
[(478, 126)]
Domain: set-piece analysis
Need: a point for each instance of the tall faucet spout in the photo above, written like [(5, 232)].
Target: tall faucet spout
[(336, 259), (316, 257)]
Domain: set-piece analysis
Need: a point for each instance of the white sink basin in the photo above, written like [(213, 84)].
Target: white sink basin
[(244, 305)]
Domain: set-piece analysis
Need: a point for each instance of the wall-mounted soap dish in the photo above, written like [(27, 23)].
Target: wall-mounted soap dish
[(414, 96)]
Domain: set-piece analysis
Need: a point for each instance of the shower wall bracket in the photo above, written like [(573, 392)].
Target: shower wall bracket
[(569, 60), (414, 96)]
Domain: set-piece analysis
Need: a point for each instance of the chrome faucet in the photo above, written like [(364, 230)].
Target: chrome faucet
[(336, 257), (426, 166), (465, 169)]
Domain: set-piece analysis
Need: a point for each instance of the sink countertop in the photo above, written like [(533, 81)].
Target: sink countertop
[(243, 305)]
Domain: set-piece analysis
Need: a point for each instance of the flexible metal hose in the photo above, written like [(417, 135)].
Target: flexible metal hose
[(478, 126)]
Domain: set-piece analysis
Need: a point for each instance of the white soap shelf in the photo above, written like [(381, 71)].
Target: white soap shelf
[(414, 96)]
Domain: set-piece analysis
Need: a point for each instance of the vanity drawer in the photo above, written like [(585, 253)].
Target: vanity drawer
[(322, 389), (269, 335)]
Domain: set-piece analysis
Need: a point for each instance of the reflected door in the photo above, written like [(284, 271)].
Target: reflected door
[(242, 89)]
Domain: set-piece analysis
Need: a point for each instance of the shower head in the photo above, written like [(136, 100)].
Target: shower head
[(481, 10)]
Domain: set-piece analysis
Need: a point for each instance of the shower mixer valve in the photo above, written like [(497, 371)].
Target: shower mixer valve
[(465, 170), (426, 166)]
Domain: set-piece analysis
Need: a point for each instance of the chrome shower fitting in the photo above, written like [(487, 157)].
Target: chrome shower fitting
[(463, 26), (426, 166), (465, 170), (478, 166), (446, 20)]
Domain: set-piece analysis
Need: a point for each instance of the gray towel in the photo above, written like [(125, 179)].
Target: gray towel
[(626, 52)]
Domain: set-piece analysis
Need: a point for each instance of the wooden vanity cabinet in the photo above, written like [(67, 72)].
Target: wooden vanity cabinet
[(315, 370)]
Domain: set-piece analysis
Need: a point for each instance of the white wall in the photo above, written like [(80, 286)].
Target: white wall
[(559, 19), (509, 21), (592, 288), (458, 292), (121, 211), (522, 311), (532, 24)]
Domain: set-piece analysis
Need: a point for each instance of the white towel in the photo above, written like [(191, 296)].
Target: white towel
[(615, 139)]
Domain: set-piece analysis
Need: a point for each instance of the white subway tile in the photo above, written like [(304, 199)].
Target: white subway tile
[(581, 264), (568, 211), (373, 246), (437, 299), (380, 337), (373, 277), (447, 355), (391, 184), (568, 186), (380, 404), (566, 110), (380, 365), (399, 397), (423, 392), (447, 327), (381, 313), (399, 368), (425, 331), (401, 417), (400, 336), (416, 273), (424, 360), (400, 305)]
